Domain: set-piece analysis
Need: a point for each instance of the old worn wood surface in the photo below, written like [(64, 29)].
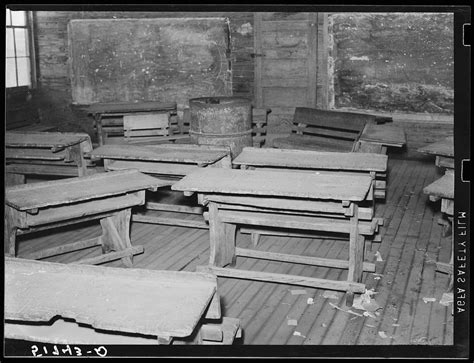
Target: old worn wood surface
[(443, 147), (148, 59), (129, 107), (57, 192), (53, 140), (32, 154), (160, 303), (311, 159), (194, 154), (273, 183), (389, 135), (442, 187), (411, 243)]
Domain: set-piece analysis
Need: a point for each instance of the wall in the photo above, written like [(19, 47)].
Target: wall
[(397, 63), (54, 93)]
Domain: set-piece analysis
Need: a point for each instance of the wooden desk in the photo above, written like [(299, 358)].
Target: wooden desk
[(373, 164), (444, 152), (161, 306), (443, 189), (292, 200), (385, 134), (115, 111), (46, 153), (164, 161), (108, 197)]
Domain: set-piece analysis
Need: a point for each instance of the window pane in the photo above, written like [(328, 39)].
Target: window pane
[(8, 22), (18, 18), (21, 41), (24, 78), (10, 73), (10, 50)]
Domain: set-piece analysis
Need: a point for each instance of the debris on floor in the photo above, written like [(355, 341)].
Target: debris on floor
[(378, 256), (310, 301), (346, 311), (383, 335), (447, 299), (330, 295), (429, 299), (298, 334), (298, 292), (292, 322), (365, 302)]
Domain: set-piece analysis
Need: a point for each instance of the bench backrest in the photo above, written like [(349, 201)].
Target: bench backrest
[(330, 124)]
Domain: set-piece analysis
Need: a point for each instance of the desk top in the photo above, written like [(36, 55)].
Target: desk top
[(130, 107), (181, 153), (289, 184), (162, 303), (386, 134), (54, 140), (70, 190), (442, 187), (306, 159), (443, 147)]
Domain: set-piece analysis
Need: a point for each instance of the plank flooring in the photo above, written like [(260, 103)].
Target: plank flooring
[(412, 242)]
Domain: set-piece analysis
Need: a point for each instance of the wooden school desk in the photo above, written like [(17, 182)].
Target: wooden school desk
[(112, 305), (293, 200), (444, 152), (169, 161), (102, 112), (370, 163), (46, 153), (108, 197)]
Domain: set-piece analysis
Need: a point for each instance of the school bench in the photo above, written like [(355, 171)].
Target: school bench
[(329, 130), (167, 162), (443, 150), (112, 305), (46, 153), (288, 200), (107, 197), (136, 122)]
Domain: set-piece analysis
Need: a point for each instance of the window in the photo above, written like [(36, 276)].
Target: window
[(19, 55)]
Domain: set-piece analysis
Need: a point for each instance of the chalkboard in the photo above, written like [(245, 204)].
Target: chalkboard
[(160, 59)]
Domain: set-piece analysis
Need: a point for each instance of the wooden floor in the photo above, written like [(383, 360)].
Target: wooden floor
[(411, 244)]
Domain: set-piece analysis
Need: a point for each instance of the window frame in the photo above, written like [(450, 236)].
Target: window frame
[(31, 50)]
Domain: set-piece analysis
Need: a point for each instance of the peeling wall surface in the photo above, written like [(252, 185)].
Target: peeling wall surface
[(395, 62), (168, 60)]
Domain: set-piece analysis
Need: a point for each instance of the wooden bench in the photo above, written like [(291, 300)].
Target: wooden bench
[(136, 122), (112, 305), (292, 200), (443, 189), (108, 197), (165, 161), (328, 130), (443, 150), (46, 153)]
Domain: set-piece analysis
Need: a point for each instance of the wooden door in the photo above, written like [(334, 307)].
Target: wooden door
[(291, 60)]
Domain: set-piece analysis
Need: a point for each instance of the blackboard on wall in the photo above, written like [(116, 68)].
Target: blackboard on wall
[(162, 59)]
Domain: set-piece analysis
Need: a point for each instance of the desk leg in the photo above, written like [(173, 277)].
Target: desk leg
[(116, 234), (78, 159), (14, 179), (9, 233), (356, 254), (222, 239), (98, 125)]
